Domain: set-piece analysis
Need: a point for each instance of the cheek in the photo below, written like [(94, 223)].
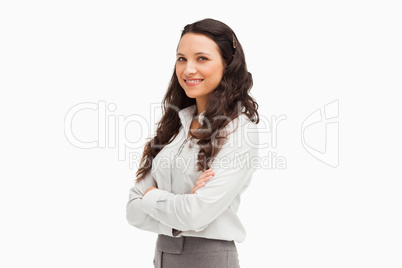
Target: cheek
[(213, 81), (217, 75), (179, 73), (180, 69), (218, 71)]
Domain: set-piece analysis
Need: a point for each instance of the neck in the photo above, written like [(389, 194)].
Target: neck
[(201, 104)]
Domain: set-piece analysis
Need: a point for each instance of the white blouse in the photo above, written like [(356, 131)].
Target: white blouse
[(211, 212)]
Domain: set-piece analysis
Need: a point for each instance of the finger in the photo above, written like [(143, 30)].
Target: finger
[(199, 181), (202, 179), (204, 175), (199, 186), (207, 173), (208, 178), (195, 188)]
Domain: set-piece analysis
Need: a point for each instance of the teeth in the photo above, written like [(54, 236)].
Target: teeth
[(193, 81)]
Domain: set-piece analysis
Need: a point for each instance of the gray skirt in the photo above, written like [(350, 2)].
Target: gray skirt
[(194, 252)]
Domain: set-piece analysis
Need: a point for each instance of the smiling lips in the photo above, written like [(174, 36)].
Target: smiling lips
[(193, 82)]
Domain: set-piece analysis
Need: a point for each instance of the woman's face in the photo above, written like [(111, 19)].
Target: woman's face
[(199, 66)]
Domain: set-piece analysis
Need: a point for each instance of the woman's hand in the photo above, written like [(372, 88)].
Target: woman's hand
[(149, 189), (202, 179)]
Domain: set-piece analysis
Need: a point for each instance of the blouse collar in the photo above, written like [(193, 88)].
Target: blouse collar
[(186, 115)]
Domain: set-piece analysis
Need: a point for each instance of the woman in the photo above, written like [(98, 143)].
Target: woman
[(194, 170)]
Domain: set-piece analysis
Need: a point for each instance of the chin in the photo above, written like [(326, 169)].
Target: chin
[(190, 95)]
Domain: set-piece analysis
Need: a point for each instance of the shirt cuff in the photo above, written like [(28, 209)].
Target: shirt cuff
[(148, 203), (164, 229)]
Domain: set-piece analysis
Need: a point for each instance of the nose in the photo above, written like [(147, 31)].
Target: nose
[(190, 69)]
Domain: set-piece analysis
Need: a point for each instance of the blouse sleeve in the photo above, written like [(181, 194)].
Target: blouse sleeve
[(233, 167), (136, 216)]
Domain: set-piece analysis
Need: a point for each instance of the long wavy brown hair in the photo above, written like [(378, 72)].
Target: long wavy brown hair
[(223, 106)]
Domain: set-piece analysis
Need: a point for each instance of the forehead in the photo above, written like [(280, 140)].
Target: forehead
[(193, 43)]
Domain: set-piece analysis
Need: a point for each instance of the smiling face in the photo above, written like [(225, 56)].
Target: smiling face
[(199, 66)]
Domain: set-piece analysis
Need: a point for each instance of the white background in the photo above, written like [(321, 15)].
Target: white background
[(64, 206)]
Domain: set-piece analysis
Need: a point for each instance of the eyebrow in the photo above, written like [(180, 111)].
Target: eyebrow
[(198, 53)]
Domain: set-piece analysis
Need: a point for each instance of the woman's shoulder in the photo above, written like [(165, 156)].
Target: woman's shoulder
[(242, 128), (241, 136), (239, 123)]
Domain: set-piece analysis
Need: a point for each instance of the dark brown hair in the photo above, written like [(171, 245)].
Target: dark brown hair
[(223, 106)]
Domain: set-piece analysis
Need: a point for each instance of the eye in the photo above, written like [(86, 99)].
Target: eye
[(203, 58), (181, 59)]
